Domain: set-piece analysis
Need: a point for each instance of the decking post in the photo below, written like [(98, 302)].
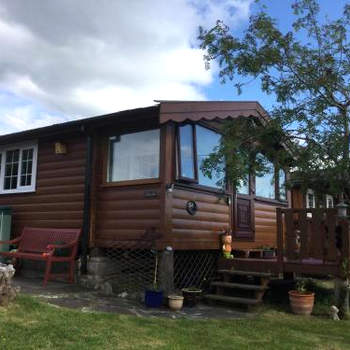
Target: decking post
[(166, 271), (279, 239)]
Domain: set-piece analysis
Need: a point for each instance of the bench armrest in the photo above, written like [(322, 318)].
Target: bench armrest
[(52, 247), (12, 241)]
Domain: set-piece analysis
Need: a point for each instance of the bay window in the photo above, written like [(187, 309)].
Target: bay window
[(134, 156), (18, 167), (265, 184), (195, 144)]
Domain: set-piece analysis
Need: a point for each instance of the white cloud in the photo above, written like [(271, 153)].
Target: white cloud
[(86, 57)]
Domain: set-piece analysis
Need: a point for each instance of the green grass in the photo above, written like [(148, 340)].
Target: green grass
[(31, 324)]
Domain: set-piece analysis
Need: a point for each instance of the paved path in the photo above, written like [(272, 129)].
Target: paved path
[(77, 297)]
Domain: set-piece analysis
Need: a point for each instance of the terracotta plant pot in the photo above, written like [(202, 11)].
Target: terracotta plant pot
[(301, 303), (175, 302)]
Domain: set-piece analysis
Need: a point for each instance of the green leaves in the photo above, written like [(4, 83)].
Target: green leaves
[(311, 82)]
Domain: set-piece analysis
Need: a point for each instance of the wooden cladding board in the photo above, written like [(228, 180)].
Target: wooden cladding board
[(59, 197), (126, 213), (265, 227), (199, 231)]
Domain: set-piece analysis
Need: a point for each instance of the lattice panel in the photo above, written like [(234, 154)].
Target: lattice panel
[(132, 269), (194, 268)]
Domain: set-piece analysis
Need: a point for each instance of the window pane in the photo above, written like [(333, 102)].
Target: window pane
[(27, 167), (243, 188), (134, 156), (11, 169), (207, 140), (282, 185), (265, 185), (186, 151)]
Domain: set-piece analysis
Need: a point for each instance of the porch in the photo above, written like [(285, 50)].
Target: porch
[(309, 241)]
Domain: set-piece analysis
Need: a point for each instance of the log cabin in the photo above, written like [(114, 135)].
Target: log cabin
[(123, 174), (129, 176)]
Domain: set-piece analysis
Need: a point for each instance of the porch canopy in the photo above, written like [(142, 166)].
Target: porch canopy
[(184, 111)]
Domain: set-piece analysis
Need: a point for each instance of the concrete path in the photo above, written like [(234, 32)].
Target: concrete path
[(77, 297)]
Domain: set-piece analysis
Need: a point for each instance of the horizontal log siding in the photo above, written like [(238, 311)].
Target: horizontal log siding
[(265, 227), (59, 196), (199, 231), (125, 213)]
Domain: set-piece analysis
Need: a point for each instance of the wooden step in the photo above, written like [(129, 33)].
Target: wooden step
[(232, 300), (246, 273), (239, 286)]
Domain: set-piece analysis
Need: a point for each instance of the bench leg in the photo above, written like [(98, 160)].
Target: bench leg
[(47, 271), (71, 271)]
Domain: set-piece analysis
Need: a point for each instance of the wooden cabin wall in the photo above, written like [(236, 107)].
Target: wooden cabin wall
[(122, 214), (202, 230), (265, 227), (59, 197)]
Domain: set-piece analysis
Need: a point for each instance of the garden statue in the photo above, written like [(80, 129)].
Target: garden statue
[(334, 313), (226, 240)]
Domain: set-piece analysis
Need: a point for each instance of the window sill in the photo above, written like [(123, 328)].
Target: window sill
[(270, 201), (193, 186), (5, 193), (131, 182)]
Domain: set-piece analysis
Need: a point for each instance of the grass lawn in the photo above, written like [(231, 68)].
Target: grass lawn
[(31, 324)]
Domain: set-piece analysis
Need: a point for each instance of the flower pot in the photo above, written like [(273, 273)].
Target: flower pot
[(175, 302), (301, 303), (191, 296), (269, 254), (153, 298)]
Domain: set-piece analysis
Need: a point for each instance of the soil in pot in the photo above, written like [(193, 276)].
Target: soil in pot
[(175, 302), (301, 303)]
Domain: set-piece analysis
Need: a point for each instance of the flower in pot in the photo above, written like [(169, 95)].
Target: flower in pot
[(191, 296), (154, 295), (301, 300), (175, 302), (269, 252)]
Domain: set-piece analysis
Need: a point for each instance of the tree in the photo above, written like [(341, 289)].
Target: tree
[(308, 71)]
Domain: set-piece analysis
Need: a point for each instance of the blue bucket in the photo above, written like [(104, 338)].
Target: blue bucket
[(153, 298)]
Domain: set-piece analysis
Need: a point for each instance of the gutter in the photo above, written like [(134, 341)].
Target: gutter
[(84, 245)]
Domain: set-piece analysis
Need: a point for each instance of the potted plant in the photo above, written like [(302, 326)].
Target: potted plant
[(175, 302), (301, 300), (269, 252), (191, 296), (154, 295)]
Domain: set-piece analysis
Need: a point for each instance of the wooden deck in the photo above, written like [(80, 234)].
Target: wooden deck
[(310, 241)]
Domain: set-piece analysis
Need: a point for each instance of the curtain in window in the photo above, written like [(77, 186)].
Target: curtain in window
[(134, 156)]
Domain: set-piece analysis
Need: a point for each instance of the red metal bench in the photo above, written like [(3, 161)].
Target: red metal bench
[(43, 244)]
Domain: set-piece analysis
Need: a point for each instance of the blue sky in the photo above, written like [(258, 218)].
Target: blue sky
[(62, 60)]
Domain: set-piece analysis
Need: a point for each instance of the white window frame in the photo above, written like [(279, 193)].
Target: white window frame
[(21, 146), (328, 196), (311, 192)]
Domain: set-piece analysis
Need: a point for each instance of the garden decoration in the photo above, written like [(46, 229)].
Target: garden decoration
[(7, 291), (226, 240), (334, 313)]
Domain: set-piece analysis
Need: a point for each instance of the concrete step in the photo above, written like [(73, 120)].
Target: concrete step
[(232, 300), (239, 286), (245, 273)]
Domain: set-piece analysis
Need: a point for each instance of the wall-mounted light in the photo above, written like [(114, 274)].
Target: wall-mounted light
[(60, 148), (342, 209)]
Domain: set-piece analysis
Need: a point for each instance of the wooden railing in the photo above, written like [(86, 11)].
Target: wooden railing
[(309, 236)]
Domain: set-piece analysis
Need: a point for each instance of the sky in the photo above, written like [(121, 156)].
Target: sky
[(61, 60)]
